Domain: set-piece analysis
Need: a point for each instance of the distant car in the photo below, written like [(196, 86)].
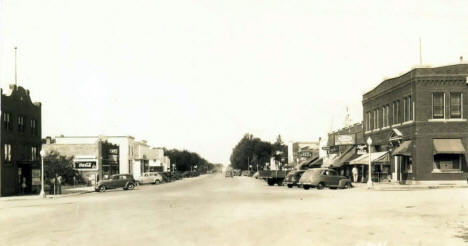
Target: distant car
[(292, 178), (229, 174), (245, 173), (150, 178), (125, 181), (255, 175), (323, 177)]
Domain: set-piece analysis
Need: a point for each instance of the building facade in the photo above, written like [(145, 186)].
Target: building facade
[(140, 158), (299, 152), (420, 119), (94, 159), (158, 162), (20, 169)]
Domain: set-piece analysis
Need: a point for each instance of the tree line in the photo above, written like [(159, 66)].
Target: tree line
[(185, 160), (254, 154)]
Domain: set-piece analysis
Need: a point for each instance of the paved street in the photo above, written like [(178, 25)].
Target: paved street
[(213, 210)]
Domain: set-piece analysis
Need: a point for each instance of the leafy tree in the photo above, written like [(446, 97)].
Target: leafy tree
[(254, 151), (187, 161), (59, 165)]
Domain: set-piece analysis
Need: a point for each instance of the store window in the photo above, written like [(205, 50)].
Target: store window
[(438, 105), (456, 105), (447, 162)]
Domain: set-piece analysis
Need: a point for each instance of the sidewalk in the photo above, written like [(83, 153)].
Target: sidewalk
[(389, 186), (66, 191)]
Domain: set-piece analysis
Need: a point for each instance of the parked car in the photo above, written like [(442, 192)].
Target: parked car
[(150, 178), (292, 178), (323, 177), (125, 181), (229, 174)]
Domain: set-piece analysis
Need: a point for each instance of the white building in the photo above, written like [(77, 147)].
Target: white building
[(140, 158)]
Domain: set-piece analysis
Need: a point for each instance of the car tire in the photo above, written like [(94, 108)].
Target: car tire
[(290, 185), (102, 188), (156, 181), (130, 187), (347, 185), (271, 182), (320, 186), (306, 187)]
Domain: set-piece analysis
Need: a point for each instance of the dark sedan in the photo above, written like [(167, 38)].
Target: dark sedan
[(292, 178)]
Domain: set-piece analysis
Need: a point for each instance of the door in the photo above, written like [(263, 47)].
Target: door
[(332, 178)]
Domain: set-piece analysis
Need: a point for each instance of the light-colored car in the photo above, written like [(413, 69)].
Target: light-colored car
[(150, 178), (323, 177)]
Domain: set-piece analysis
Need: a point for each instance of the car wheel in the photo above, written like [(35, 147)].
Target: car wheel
[(102, 188), (157, 181), (290, 185), (271, 182), (347, 185), (320, 186), (130, 186), (306, 187)]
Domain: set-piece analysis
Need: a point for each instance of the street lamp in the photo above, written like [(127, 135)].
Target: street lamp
[(42, 194), (369, 180)]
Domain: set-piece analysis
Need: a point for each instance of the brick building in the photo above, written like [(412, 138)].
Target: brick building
[(20, 142), (343, 146), (420, 120)]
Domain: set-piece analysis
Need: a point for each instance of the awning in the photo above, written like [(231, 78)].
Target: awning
[(327, 162), (405, 149), (307, 163), (339, 161), (379, 157), (317, 162), (448, 146)]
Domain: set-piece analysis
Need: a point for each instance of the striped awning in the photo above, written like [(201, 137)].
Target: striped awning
[(376, 157)]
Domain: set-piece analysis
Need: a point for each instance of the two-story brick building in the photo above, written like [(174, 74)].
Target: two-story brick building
[(20, 138), (420, 120)]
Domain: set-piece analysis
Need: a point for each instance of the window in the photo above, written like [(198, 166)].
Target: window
[(383, 117), (7, 152), (405, 118), (438, 105), (447, 162), (6, 121), (397, 115), (455, 105), (33, 124), (410, 108), (20, 124), (33, 153), (388, 115)]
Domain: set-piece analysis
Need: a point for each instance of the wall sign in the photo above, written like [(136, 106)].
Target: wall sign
[(85, 164), (349, 139), (361, 149)]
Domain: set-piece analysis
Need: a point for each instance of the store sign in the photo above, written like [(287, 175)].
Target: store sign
[(361, 149), (333, 150), (85, 164), (345, 139)]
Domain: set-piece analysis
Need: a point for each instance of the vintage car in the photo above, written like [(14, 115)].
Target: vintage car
[(323, 177), (125, 181), (292, 178), (150, 178)]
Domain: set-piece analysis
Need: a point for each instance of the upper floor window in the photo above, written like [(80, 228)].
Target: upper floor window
[(21, 123), (387, 117), (384, 115), (6, 121), (368, 123), (455, 105), (33, 153), (409, 109), (33, 127), (397, 114), (437, 105), (7, 152)]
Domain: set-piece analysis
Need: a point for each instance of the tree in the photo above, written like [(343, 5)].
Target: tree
[(59, 165), (188, 161), (251, 150)]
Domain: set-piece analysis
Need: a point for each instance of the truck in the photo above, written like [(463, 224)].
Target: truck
[(273, 177)]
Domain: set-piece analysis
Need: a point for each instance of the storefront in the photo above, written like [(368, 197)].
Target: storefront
[(380, 162)]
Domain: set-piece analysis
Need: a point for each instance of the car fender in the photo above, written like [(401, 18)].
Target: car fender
[(342, 182)]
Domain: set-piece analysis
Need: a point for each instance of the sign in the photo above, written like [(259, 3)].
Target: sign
[(361, 149), (113, 151), (345, 139), (85, 165), (333, 150)]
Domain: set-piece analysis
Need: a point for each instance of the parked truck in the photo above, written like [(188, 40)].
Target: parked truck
[(273, 177)]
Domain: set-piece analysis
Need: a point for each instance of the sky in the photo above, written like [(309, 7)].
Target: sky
[(198, 75)]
